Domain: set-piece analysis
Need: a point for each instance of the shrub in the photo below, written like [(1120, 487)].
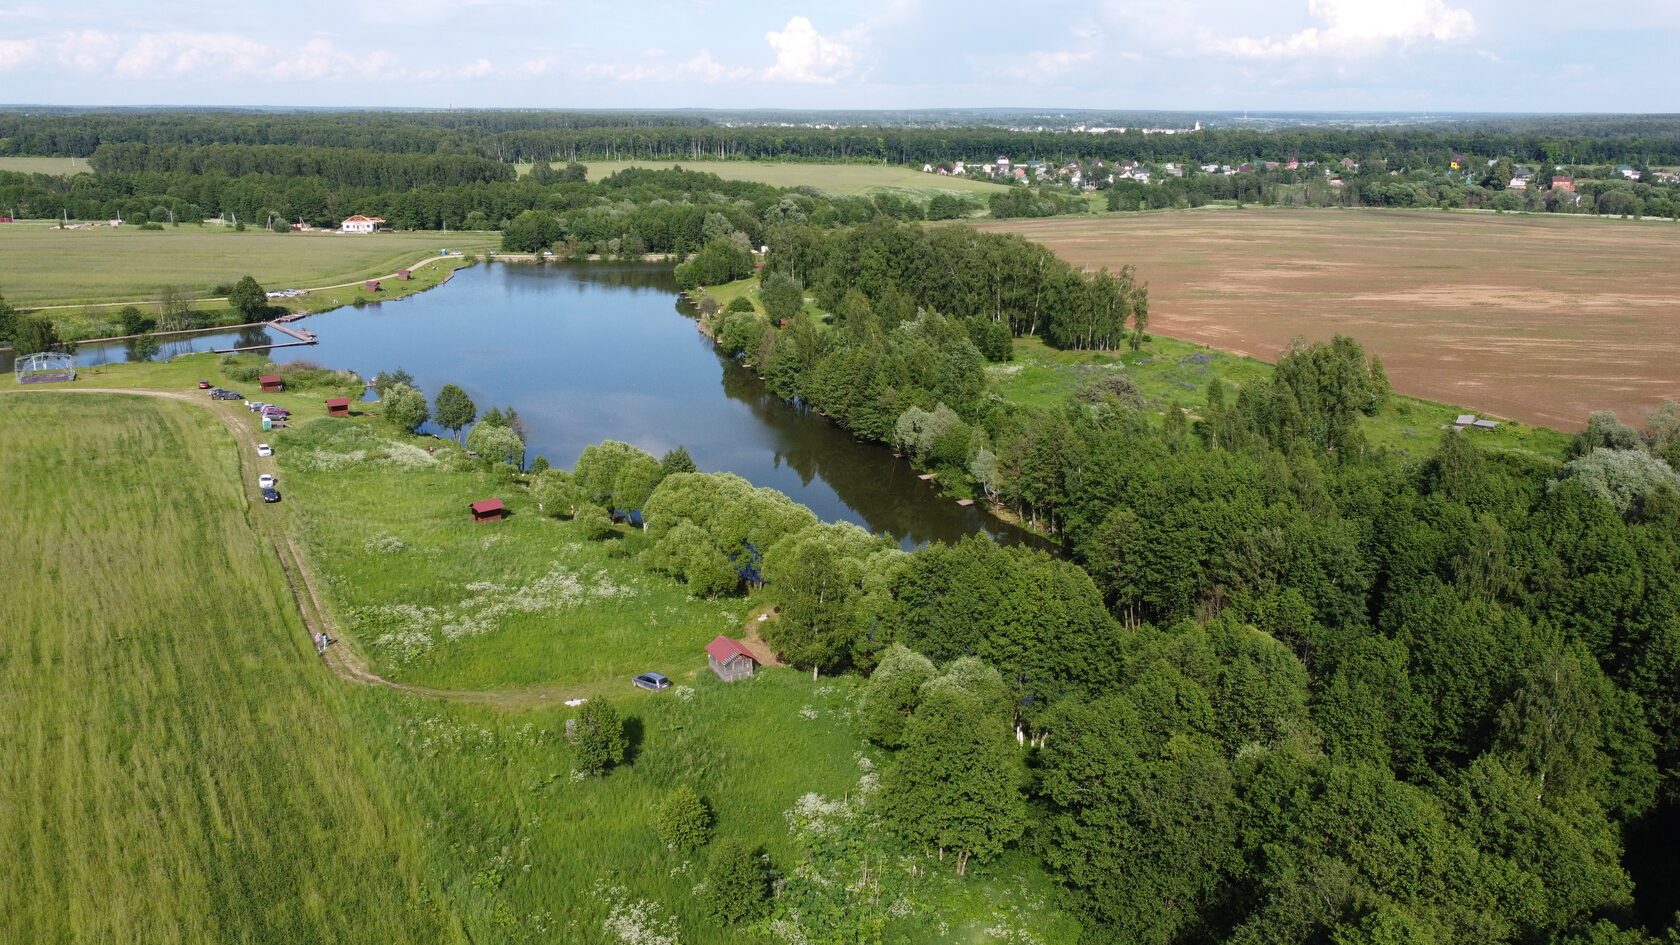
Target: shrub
[(600, 738), (594, 520), (740, 303), (684, 820), (736, 885)]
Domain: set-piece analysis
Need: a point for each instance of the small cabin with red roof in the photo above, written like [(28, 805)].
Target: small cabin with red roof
[(730, 659), (372, 285), (271, 383), (488, 510), (338, 407), (403, 274)]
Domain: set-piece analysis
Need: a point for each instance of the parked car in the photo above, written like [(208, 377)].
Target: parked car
[(224, 395), (271, 494), (263, 449), (254, 405), (278, 413), (203, 385), (265, 481), (654, 681)]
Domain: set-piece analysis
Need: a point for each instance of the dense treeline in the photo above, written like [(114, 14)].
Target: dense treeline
[(969, 275), (1284, 692), (334, 167), (1598, 190), (632, 212), (564, 136)]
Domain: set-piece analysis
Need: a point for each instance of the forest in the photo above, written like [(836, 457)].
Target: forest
[(515, 136), (1284, 688)]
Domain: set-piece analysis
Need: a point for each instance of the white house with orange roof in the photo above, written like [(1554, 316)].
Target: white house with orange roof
[(360, 224)]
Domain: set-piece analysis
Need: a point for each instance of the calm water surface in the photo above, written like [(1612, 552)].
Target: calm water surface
[(599, 351)]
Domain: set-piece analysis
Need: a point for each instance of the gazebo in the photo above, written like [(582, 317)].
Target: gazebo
[(45, 367)]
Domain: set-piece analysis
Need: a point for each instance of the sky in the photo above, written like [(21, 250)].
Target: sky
[(1260, 55)]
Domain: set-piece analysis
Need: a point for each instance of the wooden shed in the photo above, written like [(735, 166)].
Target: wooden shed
[(271, 383), (338, 407), (372, 285), (403, 274), (730, 659), (488, 510)]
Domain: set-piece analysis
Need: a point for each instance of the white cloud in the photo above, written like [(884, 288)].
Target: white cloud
[(804, 55), (477, 69), (1049, 65), (17, 53), (705, 67), (165, 55), (1355, 28)]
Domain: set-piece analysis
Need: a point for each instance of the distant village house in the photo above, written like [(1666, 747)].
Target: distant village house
[(360, 224)]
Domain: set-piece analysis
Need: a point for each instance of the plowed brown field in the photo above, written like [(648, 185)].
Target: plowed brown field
[(1541, 319)]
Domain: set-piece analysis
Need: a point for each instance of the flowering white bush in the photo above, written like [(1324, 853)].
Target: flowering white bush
[(639, 922)]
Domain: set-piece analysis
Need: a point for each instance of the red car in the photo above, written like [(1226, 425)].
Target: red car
[(203, 385)]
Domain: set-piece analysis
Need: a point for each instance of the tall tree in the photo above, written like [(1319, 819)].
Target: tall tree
[(956, 785), (454, 409), (248, 299), (404, 407)]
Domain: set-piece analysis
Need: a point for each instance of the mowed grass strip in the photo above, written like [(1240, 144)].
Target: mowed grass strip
[(44, 265), (841, 179), (175, 765)]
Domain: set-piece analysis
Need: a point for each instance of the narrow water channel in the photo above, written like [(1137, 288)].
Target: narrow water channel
[(599, 351)]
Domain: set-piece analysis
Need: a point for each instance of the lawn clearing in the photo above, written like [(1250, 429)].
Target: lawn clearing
[(44, 265), (56, 166), (175, 766), (841, 179), (1170, 371), (1541, 319)]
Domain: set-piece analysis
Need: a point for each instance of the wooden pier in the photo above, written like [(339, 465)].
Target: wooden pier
[(284, 344), (303, 335)]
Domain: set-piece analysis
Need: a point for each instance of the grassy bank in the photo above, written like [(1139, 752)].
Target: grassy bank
[(175, 767), (49, 266)]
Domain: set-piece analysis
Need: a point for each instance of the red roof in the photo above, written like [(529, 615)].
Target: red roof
[(339, 402), (358, 218), (269, 379), (723, 649), (483, 506)]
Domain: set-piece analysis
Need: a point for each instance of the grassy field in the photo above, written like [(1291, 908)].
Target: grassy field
[(57, 166), (49, 266), (483, 830), (174, 766), (843, 179), (1540, 319)]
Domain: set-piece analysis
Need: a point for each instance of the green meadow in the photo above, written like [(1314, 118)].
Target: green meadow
[(49, 266), (1169, 371), (840, 179), (175, 767)]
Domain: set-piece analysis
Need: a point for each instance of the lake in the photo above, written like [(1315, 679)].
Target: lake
[(603, 351)]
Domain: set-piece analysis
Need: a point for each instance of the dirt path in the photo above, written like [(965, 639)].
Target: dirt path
[(343, 660)]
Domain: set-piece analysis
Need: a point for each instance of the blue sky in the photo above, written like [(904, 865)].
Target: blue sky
[(1406, 55)]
